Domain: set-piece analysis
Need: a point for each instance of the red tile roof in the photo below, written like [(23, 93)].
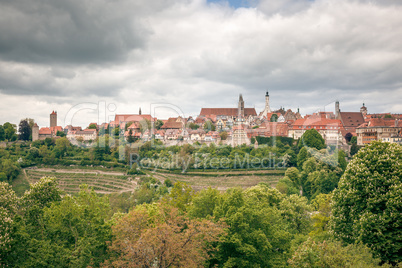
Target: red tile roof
[(119, 118), (351, 120), (227, 111), (311, 122), (173, 124), (45, 131)]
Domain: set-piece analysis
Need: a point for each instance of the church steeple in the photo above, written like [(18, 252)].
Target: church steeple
[(241, 106), (139, 112)]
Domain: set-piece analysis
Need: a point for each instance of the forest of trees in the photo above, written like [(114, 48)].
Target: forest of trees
[(324, 212)]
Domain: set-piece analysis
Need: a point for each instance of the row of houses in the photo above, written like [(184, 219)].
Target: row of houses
[(240, 124)]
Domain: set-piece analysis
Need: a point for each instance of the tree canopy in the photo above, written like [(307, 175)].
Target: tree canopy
[(367, 204), (311, 138)]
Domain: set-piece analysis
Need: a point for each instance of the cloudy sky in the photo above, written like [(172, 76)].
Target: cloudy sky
[(83, 58)]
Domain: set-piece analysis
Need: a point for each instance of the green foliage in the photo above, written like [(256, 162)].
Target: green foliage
[(203, 203), (302, 157), (274, 118), (342, 160), (63, 145), (318, 177), (2, 133), (8, 211), (209, 126), (353, 140), (78, 227), (158, 124), (60, 133), (354, 149), (193, 126), (286, 186), (25, 130), (223, 135), (130, 138), (332, 254), (262, 224), (312, 139), (92, 126), (368, 201), (10, 131), (180, 196), (274, 140), (10, 169), (322, 207), (40, 195), (168, 183)]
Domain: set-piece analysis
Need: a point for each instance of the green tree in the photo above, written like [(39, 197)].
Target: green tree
[(203, 203), (92, 126), (302, 157), (25, 130), (322, 206), (180, 196), (312, 139), (40, 195), (63, 145), (10, 168), (10, 130), (2, 133), (158, 124), (209, 126), (342, 160), (258, 235), (130, 138), (60, 133), (354, 149), (193, 126), (332, 254), (368, 201), (78, 226), (8, 211), (223, 135)]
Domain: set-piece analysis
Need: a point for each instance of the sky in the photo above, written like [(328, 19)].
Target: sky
[(90, 59)]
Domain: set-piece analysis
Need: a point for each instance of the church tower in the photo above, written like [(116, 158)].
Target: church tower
[(267, 108), (241, 107), (53, 119), (363, 110), (139, 112), (337, 110)]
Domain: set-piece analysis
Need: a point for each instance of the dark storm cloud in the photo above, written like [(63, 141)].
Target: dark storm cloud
[(72, 31)]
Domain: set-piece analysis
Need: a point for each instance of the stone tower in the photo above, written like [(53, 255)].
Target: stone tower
[(241, 107), (337, 110), (35, 132), (139, 112), (267, 108), (363, 110), (53, 119)]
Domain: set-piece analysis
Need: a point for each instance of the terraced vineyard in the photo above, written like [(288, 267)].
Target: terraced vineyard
[(223, 180), (70, 180), (107, 182)]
